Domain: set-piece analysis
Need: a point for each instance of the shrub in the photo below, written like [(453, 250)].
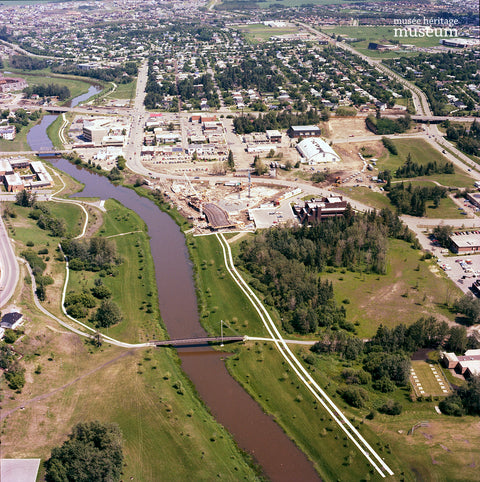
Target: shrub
[(391, 407)]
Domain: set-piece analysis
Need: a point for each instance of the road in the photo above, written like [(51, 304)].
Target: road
[(135, 141), (9, 271)]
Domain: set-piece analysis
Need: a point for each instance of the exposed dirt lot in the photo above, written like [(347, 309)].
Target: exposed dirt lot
[(347, 126)]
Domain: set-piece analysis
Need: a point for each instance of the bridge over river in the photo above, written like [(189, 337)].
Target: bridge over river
[(198, 341)]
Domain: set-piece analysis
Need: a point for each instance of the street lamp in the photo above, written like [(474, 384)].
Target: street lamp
[(221, 332)]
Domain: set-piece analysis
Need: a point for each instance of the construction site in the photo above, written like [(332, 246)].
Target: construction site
[(225, 205)]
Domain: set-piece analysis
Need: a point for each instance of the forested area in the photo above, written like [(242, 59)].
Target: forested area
[(26, 62), (274, 120), (122, 74), (412, 200), (468, 140), (382, 126), (95, 254), (50, 90), (286, 263)]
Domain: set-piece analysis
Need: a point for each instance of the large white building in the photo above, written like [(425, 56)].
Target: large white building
[(315, 150)]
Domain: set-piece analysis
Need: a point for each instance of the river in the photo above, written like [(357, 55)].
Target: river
[(254, 431)]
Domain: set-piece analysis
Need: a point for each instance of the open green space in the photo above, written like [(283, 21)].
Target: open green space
[(410, 289), (427, 379), (19, 144), (382, 300), (380, 34), (422, 152), (141, 317), (76, 86), (124, 91), (53, 132), (365, 195), (258, 32), (168, 433)]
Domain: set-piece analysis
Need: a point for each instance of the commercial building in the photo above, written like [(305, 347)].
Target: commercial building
[(467, 365), (274, 135), (304, 131), (38, 177), (465, 243), (104, 132), (318, 210), (316, 151), (8, 132)]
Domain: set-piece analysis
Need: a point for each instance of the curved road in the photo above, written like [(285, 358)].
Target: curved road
[(9, 271)]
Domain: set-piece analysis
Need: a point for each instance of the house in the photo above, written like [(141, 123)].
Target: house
[(11, 320), (8, 132), (304, 131)]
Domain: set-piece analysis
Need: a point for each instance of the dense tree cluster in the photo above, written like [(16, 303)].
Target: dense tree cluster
[(27, 62), (48, 222), (14, 373), (286, 263), (385, 125), (469, 306), (274, 120), (465, 400), (412, 200), (50, 90), (20, 118), (122, 74), (390, 145), (93, 452), (38, 267), (468, 140), (95, 254)]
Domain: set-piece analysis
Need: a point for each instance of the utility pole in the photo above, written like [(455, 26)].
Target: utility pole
[(221, 332)]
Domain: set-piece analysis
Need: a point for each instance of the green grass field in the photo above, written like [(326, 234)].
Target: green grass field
[(380, 34), (169, 434), (427, 380), (421, 153), (257, 33), (19, 144), (124, 91)]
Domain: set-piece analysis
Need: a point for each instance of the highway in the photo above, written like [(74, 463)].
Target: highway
[(9, 271)]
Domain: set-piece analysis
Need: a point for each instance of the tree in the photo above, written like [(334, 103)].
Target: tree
[(231, 161), (259, 168), (469, 306), (442, 235), (108, 314), (25, 198), (457, 342), (93, 452)]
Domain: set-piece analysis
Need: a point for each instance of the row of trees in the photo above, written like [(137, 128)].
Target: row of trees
[(274, 120), (50, 90), (413, 169)]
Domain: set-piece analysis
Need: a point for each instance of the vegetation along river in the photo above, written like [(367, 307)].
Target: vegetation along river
[(254, 431)]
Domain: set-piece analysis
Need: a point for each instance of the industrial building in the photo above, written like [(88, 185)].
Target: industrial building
[(467, 365), (465, 243), (316, 150), (304, 131)]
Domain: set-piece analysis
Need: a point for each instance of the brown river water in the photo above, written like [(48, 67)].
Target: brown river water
[(253, 430)]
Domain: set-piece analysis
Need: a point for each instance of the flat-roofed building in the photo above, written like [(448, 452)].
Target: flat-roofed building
[(465, 243), (274, 135), (8, 132), (13, 182), (304, 131), (467, 365), (318, 210), (5, 168)]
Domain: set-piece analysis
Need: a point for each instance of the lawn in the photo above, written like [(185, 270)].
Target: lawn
[(365, 195), (427, 380), (124, 91), (421, 153), (137, 301), (257, 33), (410, 289)]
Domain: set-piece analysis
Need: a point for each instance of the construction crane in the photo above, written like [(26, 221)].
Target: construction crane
[(191, 185)]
